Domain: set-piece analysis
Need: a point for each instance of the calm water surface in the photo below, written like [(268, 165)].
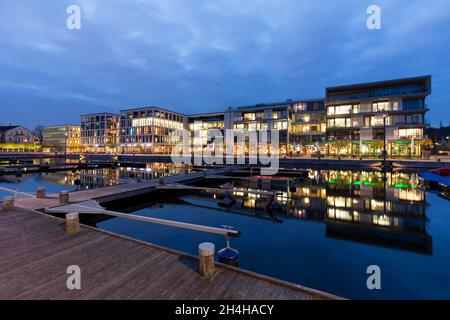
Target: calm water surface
[(324, 235)]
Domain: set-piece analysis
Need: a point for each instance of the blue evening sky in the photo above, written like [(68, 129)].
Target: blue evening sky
[(196, 56)]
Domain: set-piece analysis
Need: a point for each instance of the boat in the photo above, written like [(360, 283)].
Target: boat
[(445, 191), (444, 172), (436, 179)]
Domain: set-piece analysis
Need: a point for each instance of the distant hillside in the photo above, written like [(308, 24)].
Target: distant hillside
[(438, 134)]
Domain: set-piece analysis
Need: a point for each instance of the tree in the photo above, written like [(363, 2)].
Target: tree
[(340, 144), (38, 132)]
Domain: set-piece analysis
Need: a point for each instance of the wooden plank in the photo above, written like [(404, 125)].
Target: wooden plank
[(92, 207), (36, 253)]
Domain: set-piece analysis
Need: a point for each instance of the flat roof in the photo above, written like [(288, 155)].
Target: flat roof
[(99, 114), (209, 114), (153, 107), (426, 78), (275, 104), (62, 125)]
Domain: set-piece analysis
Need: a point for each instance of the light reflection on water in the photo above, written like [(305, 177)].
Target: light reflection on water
[(324, 234), (88, 179)]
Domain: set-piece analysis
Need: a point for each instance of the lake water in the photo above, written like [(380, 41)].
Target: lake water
[(324, 235)]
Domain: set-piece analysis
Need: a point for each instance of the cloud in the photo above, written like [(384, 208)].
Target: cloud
[(196, 56), (48, 48)]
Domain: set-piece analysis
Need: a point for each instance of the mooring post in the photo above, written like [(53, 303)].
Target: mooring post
[(64, 197), (40, 193), (8, 203), (72, 223), (206, 253)]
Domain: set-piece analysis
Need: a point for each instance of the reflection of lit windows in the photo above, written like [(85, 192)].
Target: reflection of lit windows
[(339, 202), (411, 195), (381, 220), (338, 214), (250, 203)]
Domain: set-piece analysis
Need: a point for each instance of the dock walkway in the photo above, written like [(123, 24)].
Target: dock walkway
[(36, 253)]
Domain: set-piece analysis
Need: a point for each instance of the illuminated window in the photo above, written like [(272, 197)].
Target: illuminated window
[(249, 116), (410, 133), (380, 106)]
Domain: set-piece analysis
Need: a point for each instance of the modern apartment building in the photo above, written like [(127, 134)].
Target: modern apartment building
[(99, 132), (199, 124), (274, 116), (350, 121), (149, 130), (309, 127), (63, 138), (359, 115)]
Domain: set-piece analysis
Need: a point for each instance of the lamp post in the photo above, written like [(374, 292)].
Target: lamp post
[(384, 139), (65, 144)]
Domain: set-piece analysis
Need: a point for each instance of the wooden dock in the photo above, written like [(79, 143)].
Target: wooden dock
[(36, 252)]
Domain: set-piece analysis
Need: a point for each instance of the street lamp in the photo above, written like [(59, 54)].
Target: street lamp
[(384, 139), (65, 144)]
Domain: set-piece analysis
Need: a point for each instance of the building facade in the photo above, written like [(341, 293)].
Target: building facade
[(359, 116), (351, 120), (99, 132), (64, 138), (309, 127), (268, 117), (15, 135), (149, 130), (198, 126), (17, 139)]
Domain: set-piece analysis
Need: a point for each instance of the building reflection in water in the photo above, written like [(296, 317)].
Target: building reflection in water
[(104, 177), (381, 208)]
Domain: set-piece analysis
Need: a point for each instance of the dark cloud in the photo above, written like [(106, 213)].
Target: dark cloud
[(198, 56)]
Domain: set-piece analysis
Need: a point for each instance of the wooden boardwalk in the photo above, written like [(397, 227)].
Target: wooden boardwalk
[(35, 253)]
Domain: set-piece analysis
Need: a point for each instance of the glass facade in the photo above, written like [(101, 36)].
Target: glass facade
[(393, 111), (99, 132), (350, 121), (62, 139), (149, 130)]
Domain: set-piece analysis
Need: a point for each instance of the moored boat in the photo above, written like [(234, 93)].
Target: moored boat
[(437, 179)]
